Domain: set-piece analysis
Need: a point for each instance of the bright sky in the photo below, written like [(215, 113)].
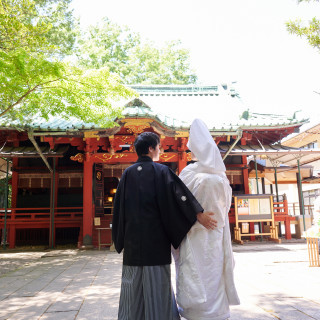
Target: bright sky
[(231, 40)]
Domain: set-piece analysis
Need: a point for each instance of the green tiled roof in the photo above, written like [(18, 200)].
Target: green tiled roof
[(219, 106), (137, 108), (181, 90), (175, 107), (54, 123)]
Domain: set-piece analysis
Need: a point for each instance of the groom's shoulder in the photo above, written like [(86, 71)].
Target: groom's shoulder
[(161, 167)]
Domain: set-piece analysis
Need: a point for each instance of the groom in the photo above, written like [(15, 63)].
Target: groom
[(153, 210)]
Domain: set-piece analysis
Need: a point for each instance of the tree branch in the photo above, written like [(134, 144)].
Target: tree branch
[(65, 89), (82, 83), (25, 95)]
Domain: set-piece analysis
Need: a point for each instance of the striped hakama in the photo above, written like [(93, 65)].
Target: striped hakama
[(146, 294)]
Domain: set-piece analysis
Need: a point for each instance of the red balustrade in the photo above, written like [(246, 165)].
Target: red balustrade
[(29, 218), (31, 215)]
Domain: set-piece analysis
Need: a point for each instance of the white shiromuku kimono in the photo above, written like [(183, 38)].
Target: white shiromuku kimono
[(204, 261)]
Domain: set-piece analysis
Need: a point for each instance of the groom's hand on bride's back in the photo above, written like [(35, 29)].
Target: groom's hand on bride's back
[(205, 218)]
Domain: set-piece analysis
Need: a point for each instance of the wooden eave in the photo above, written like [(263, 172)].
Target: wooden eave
[(271, 134), (31, 152)]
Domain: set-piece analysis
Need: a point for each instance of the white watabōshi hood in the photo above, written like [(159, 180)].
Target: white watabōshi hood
[(204, 148)]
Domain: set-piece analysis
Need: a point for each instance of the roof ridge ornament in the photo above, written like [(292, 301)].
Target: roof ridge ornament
[(245, 115), (136, 102), (294, 116)]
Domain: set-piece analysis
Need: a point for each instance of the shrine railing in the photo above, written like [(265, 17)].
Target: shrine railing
[(17, 215), (294, 209), (280, 208)]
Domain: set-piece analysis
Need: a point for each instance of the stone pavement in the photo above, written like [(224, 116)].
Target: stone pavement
[(274, 281)]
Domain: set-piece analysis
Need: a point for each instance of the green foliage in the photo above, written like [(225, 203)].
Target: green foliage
[(63, 26), (123, 52), (15, 29), (34, 35), (34, 23), (34, 85), (107, 45), (310, 30)]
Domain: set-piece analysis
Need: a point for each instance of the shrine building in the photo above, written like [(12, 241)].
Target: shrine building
[(65, 172)]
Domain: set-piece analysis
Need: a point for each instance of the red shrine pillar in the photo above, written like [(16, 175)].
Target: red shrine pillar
[(245, 170), (87, 200), (182, 155), (54, 202), (182, 161), (14, 196)]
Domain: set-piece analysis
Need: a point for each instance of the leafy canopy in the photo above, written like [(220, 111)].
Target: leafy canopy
[(34, 36), (310, 30), (123, 52)]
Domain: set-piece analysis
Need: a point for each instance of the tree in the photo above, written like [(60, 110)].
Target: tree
[(310, 31), (63, 26), (34, 35), (123, 52)]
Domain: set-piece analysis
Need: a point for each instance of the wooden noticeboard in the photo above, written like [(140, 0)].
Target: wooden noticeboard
[(254, 208)]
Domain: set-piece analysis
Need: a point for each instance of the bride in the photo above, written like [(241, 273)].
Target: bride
[(204, 261)]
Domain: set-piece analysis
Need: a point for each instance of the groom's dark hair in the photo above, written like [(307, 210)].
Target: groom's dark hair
[(144, 141)]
